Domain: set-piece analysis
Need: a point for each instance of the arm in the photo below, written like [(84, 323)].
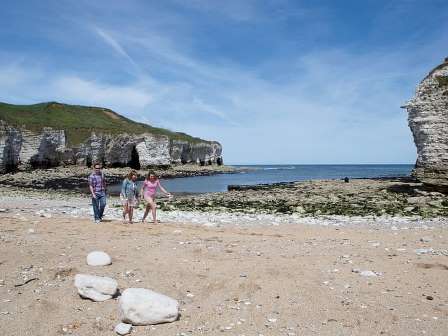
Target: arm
[(123, 188), (163, 189), (92, 191)]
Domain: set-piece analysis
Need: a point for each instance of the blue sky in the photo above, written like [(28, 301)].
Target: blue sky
[(273, 81)]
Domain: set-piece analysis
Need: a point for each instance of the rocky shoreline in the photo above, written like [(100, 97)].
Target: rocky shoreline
[(359, 197), (401, 197), (75, 177)]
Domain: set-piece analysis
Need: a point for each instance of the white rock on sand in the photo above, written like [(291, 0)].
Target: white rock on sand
[(123, 328), (98, 258), (140, 306), (95, 288)]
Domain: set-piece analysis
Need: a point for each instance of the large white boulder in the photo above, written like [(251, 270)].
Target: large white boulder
[(98, 258), (140, 306), (95, 288)]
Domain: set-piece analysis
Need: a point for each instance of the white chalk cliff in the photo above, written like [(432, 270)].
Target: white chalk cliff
[(21, 148), (428, 120)]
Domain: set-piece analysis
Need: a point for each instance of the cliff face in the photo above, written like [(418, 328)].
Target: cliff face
[(428, 120), (23, 149)]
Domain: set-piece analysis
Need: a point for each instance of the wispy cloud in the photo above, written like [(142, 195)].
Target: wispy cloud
[(113, 43), (283, 97)]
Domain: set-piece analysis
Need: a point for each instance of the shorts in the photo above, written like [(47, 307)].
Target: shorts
[(131, 201)]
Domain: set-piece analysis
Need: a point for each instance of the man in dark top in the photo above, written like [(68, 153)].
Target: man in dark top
[(97, 186)]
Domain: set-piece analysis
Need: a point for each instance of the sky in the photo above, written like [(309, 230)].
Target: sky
[(274, 81)]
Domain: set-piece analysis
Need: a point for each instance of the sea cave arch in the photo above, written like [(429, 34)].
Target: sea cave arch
[(134, 163)]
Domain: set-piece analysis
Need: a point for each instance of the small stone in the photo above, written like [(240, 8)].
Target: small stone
[(368, 274), (429, 297), (423, 251), (123, 328), (98, 258)]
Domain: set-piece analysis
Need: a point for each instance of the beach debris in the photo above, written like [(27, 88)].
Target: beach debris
[(95, 288), (64, 272), (141, 306), (123, 328), (43, 214), (26, 282), (98, 258), (368, 274), (365, 273), (423, 251)]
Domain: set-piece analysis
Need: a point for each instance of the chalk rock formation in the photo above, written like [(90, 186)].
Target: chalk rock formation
[(140, 306), (428, 120), (95, 288), (23, 149), (202, 153)]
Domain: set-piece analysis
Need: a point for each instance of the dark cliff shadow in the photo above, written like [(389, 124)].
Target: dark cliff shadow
[(405, 185)]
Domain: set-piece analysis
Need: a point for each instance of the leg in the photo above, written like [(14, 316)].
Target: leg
[(146, 212), (96, 210), (152, 203), (125, 210), (102, 205), (130, 212)]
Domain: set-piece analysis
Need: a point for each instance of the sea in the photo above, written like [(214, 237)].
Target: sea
[(267, 174)]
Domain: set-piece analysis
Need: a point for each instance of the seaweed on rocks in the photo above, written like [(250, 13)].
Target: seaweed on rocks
[(360, 197)]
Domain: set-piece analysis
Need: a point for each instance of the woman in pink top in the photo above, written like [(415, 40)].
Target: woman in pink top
[(148, 192)]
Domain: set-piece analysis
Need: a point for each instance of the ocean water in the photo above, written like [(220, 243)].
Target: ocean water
[(257, 174)]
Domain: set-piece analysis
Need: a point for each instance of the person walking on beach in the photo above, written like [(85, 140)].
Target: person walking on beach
[(128, 195), (97, 186), (148, 192)]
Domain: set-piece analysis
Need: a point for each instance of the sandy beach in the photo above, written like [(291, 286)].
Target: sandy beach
[(296, 277)]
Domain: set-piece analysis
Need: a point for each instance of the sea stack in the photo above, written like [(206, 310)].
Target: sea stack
[(428, 120)]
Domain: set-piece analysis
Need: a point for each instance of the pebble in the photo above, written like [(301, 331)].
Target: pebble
[(424, 251), (98, 258), (123, 328), (365, 273)]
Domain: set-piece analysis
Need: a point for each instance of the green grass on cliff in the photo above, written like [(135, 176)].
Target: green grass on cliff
[(442, 80), (79, 121)]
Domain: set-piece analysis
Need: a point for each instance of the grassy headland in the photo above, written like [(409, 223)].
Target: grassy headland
[(79, 121)]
